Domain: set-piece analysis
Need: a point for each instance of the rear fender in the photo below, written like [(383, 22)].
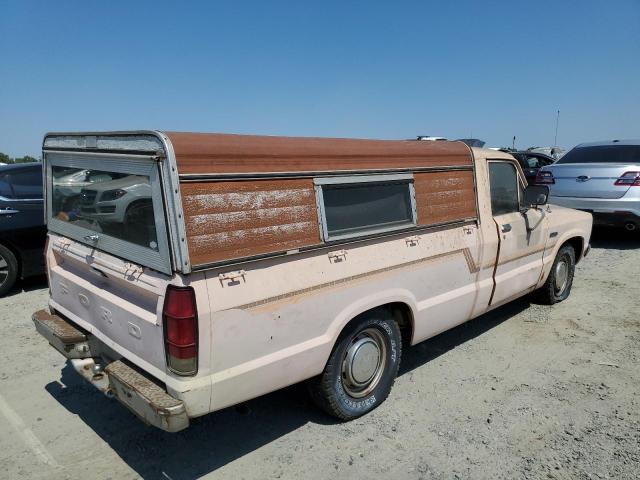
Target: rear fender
[(365, 304)]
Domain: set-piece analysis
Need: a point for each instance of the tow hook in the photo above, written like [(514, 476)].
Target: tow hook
[(92, 371)]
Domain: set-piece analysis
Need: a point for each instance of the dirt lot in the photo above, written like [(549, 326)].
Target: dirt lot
[(524, 392)]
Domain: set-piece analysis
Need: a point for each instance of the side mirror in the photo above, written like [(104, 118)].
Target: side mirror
[(535, 195)]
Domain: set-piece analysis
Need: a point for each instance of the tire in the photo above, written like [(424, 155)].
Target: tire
[(350, 384), (8, 270), (135, 223), (560, 279)]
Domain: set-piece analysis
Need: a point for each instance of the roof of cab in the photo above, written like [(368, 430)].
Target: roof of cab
[(214, 153)]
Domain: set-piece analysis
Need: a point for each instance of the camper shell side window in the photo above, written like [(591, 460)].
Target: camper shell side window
[(355, 206)]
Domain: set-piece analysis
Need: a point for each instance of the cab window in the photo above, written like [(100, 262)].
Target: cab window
[(504, 186), (27, 183)]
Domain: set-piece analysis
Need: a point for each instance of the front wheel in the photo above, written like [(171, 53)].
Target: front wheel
[(361, 368), (8, 270), (560, 279)]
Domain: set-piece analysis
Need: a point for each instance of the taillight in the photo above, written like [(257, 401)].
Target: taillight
[(180, 319), (544, 177), (629, 179)]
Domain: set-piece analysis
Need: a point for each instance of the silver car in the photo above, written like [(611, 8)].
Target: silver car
[(602, 178)]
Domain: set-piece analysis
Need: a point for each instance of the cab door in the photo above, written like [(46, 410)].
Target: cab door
[(522, 234)]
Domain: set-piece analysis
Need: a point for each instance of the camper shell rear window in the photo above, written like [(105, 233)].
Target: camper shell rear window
[(111, 203)]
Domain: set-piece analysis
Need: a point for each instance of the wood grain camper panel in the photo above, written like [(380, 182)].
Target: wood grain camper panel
[(212, 154), (228, 220), (444, 196)]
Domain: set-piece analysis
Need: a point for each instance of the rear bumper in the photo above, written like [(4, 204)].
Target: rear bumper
[(148, 400), (606, 211)]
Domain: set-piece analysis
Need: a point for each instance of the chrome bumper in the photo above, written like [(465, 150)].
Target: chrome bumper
[(148, 400)]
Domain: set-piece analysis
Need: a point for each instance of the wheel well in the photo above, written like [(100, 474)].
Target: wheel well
[(401, 313), (139, 201), (578, 246)]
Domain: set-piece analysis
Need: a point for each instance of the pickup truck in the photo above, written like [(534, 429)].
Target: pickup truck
[(258, 262)]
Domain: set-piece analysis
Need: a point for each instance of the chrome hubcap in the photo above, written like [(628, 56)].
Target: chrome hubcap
[(4, 270), (561, 276), (364, 363)]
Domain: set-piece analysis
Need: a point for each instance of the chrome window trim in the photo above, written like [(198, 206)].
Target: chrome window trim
[(123, 163), (519, 178), (357, 179), (363, 179), (175, 214)]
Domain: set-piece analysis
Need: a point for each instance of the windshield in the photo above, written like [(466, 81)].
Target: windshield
[(603, 154), (112, 203)]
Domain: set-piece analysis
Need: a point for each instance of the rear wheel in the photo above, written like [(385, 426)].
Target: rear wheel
[(362, 367), (8, 270), (560, 279)]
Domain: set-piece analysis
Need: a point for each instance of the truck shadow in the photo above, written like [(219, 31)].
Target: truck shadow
[(216, 439), (615, 239), (28, 285)]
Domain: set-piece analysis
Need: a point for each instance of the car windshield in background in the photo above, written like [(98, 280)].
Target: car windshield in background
[(116, 204), (603, 154)]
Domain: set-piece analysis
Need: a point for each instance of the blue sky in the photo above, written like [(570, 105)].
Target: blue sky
[(345, 68)]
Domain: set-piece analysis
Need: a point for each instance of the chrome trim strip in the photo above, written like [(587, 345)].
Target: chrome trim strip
[(201, 177)]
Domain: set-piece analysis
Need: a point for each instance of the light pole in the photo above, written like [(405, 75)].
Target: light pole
[(555, 139)]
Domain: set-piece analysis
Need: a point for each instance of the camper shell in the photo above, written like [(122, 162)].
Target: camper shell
[(271, 181), (277, 248)]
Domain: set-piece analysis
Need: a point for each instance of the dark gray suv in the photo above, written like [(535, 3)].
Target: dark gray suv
[(22, 228)]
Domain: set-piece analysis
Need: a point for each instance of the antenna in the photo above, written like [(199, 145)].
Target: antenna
[(555, 139)]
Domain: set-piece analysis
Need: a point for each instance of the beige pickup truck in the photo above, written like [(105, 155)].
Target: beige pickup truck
[(190, 272)]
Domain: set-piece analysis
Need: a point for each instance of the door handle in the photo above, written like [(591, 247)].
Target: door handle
[(506, 227), (8, 211)]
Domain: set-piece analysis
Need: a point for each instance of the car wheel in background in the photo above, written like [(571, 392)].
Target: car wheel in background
[(560, 279), (8, 270), (362, 367)]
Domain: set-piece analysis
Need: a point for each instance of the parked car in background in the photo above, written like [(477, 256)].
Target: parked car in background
[(530, 162), (602, 178), (22, 228), (554, 152)]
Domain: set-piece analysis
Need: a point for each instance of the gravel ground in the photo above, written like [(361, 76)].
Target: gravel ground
[(527, 391)]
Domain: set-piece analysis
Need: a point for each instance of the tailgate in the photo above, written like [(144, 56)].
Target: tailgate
[(587, 180), (119, 303)]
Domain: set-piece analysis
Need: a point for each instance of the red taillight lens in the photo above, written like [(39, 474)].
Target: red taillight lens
[(180, 319), (629, 179), (544, 178)]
